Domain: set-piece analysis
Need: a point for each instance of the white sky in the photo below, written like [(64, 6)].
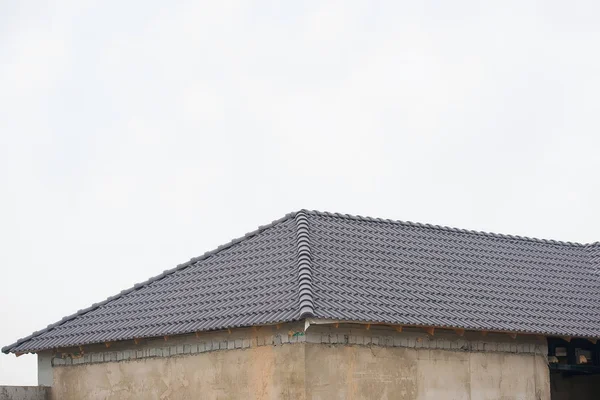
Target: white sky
[(136, 135)]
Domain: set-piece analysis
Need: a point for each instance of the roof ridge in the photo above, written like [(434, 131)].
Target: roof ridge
[(7, 349), (305, 286), (448, 228)]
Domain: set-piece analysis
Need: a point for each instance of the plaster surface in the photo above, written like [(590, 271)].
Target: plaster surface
[(354, 372), (325, 362)]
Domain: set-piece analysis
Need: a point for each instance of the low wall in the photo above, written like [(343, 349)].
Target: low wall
[(24, 393)]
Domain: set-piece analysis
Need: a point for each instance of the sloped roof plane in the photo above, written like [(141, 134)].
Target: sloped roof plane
[(341, 267)]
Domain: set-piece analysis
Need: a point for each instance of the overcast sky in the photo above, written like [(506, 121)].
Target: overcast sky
[(136, 135)]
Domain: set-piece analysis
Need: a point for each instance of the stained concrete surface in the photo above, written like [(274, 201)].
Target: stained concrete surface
[(353, 372), (312, 371), (323, 363), (268, 372)]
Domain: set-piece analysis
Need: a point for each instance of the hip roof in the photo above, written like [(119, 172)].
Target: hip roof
[(352, 268)]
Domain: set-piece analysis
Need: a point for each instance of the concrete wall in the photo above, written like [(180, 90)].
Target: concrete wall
[(348, 362), (354, 372), (23, 393), (258, 373), (579, 387)]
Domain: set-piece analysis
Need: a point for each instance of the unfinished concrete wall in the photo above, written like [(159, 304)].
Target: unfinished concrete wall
[(243, 364), (348, 362), (355, 372), (382, 364), (267, 372), (24, 393), (578, 387)]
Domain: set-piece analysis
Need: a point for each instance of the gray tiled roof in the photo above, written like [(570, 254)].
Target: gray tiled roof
[(386, 271), (353, 268)]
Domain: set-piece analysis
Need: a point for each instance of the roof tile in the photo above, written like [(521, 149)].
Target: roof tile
[(345, 267)]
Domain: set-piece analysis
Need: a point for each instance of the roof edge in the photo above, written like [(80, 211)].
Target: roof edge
[(8, 349), (448, 228), (330, 321)]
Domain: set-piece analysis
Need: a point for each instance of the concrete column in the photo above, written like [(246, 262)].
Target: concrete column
[(45, 376)]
